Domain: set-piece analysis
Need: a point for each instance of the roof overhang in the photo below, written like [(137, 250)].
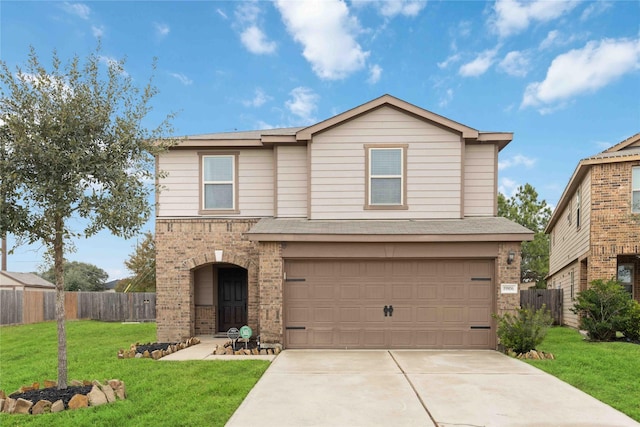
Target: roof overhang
[(492, 229)]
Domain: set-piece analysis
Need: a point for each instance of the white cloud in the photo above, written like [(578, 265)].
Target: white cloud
[(512, 16), (515, 64), (259, 99), (480, 65), (162, 30), (508, 187), (583, 70), (327, 34), (446, 99), (252, 37), (594, 9), (303, 104), (517, 160), (79, 9), (450, 60), (182, 78), (375, 72), (97, 30), (550, 40), (256, 42), (391, 8), (221, 13)]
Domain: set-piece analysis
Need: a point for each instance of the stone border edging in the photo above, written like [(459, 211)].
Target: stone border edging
[(132, 353), (100, 394)]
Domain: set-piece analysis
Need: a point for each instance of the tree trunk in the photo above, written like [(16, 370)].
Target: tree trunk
[(58, 260)]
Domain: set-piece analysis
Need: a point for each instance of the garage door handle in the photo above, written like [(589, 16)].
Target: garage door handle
[(388, 311)]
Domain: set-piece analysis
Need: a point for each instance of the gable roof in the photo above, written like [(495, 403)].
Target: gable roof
[(293, 135), (28, 279), (625, 151)]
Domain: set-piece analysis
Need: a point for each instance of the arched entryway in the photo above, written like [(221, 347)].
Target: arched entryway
[(220, 297)]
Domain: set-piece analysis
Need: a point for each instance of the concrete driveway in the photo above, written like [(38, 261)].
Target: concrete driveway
[(416, 388)]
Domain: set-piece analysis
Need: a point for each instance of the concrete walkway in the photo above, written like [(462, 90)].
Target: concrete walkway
[(204, 351), (416, 388)]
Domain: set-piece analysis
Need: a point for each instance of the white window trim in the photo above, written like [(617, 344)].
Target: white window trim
[(402, 176), (635, 187), (234, 184)]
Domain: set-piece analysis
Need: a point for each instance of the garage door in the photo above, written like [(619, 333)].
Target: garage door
[(439, 304)]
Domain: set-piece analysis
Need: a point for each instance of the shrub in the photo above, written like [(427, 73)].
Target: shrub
[(603, 309), (631, 325), (524, 330)]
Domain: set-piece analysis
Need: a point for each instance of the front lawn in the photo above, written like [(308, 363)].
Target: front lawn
[(193, 393), (608, 371)]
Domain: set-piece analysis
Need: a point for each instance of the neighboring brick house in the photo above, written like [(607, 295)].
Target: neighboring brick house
[(594, 231), (376, 228)]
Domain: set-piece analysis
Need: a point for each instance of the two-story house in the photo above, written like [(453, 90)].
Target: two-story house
[(374, 228), (594, 231)]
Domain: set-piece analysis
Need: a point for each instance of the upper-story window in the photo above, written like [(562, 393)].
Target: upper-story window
[(219, 182), (635, 192), (386, 177)]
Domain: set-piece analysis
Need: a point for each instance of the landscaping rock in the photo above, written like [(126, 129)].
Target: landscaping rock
[(96, 397), (3, 395), (9, 405), (1, 404), (76, 383), (118, 388), (108, 392), (57, 406), (79, 401), (22, 406), (50, 384), (41, 407), (156, 354)]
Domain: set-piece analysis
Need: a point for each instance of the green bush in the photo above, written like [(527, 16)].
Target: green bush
[(631, 326), (524, 330), (603, 309)]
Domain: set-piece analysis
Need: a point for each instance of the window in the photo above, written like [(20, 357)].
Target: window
[(578, 203), (386, 182), (635, 190), (569, 212), (219, 177), (625, 277), (573, 289)]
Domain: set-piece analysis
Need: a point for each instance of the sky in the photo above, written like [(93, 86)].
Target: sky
[(563, 76)]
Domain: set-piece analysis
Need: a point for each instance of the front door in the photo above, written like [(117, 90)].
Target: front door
[(232, 298)]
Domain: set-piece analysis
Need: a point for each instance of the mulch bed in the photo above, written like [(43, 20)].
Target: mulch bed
[(53, 394)]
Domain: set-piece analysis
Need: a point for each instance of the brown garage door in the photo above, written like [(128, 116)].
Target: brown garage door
[(436, 304)]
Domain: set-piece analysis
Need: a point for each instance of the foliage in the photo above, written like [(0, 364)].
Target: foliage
[(603, 308), (525, 330), (74, 146), (630, 327), (605, 370), (188, 393), (525, 209), (142, 263), (79, 276)]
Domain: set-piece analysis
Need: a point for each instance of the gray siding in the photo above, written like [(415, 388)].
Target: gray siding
[(479, 180), (568, 242), (434, 162), (179, 195), (292, 181)]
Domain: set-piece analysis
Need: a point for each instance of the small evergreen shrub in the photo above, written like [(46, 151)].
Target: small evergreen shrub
[(631, 326), (603, 309), (524, 330)]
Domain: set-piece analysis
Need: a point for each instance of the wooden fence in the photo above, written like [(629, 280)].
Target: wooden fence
[(23, 307), (551, 298)]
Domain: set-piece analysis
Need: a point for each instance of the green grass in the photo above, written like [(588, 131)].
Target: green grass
[(190, 393), (608, 371)]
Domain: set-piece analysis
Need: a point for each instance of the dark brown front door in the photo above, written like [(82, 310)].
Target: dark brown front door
[(232, 298)]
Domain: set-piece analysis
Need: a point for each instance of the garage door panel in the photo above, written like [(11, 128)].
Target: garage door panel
[(427, 314), (479, 316), (436, 302), (402, 291), (427, 291)]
